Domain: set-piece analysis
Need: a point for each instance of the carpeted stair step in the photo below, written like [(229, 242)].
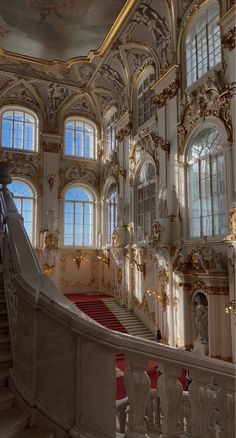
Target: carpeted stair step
[(12, 422), (36, 432), (6, 398)]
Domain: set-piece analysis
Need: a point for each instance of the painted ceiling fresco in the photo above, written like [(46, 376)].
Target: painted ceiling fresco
[(56, 29)]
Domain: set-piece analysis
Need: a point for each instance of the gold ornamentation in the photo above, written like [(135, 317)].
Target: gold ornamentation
[(124, 132), (232, 221), (48, 270), (105, 256), (212, 98), (229, 39), (157, 231), (52, 147), (139, 257), (78, 258), (164, 280), (167, 93), (115, 238), (143, 306), (50, 240)]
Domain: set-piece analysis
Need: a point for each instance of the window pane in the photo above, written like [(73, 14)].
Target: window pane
[(79, 139)]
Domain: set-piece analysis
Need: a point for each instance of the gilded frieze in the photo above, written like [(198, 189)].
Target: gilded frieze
[(200, 260)]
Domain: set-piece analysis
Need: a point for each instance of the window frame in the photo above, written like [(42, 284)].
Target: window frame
[(209, 156), (24, 110), (111, 119), (84, 122), (203, 11), (144, 76), (93, 202), (34, 205), (142, 186)]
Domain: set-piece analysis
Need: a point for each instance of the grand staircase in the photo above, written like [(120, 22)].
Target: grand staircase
[(129, 320), (14, 422)]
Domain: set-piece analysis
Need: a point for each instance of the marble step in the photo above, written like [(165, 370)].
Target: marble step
[(4, 342), (130, 321), (36, 432), (4, 374), (2, 304), (6, 398), (3, 328), (12, 422)]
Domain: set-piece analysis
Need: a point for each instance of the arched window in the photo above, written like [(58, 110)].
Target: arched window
[(19, 129), (79, 220), (145, 96), (112, 198), (203, 45), (24, 199), (80, 138), (206, 184), (146, 201), (111, 129)]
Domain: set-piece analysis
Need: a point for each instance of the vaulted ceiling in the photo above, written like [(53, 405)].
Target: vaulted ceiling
[(57, 29)]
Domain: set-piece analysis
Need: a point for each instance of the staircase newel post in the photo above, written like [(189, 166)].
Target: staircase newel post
[(170, 391), (137, 385)]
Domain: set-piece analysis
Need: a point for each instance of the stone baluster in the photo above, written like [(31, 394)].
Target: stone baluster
[(170, 391), (137, 385), (202, 393)]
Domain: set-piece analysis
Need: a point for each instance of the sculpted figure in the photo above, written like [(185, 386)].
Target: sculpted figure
[(201, 317)]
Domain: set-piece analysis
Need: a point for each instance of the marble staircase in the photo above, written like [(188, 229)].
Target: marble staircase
[(14, 422), (129, 320)]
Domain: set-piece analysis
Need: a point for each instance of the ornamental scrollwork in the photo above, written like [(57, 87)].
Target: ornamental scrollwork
[(167, 93), (212, 98), (229, 39)]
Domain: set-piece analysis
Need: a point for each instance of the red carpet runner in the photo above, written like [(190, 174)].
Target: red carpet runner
[(94, 307)]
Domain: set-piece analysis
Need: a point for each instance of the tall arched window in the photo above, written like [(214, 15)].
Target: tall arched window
[(80, 138), (111, 129), (24, 199), (145, 96), (79, 217), (112, 198), (19, 129), (146, 201), (203, 45), (206, 184)]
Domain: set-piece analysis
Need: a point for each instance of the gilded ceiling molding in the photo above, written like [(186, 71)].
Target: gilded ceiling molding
[(212, 98), (92, 54), (229, 39)]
